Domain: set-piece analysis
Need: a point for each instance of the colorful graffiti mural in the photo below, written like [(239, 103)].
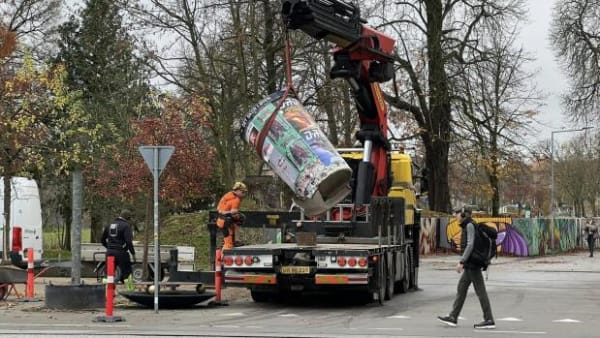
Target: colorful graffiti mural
[(427, 238), (516, 236)]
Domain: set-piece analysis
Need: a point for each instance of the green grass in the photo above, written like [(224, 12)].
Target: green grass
[(183, 229), (189, 230), (52, 248), (180, 229)]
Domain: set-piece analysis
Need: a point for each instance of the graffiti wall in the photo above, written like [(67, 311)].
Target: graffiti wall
[(428, 237), (516, 236)]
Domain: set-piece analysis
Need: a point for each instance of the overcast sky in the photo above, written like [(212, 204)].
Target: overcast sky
[(550, 79)]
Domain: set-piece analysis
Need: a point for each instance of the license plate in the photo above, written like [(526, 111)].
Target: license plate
[(295, 270)]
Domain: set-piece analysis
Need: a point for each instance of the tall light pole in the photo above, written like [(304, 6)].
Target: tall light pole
[(552, 162)]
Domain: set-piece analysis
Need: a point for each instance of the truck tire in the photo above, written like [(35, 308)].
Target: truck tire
[(411, 269), (389, 283), (137, 273), (382, 280), (403, 284), (260, 296)]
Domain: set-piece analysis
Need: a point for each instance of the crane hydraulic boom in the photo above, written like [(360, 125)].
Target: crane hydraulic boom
[(363, 57)]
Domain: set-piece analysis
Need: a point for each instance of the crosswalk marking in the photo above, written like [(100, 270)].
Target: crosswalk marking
[(398, 317), (515, 332), (566, 320)]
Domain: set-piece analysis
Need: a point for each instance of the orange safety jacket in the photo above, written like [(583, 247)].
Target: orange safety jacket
[(229, 204)]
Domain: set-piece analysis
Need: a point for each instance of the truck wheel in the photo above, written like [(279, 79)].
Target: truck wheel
[(382, 282), (412, 272), (403, 284), (389, 283), (137, 273), (259, 296)]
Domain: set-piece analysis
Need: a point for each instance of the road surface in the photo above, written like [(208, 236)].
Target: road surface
[(556, 296)]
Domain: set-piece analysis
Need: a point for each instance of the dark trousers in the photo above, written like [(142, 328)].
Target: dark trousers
[(591, 240), (123, 262), (476, 277)]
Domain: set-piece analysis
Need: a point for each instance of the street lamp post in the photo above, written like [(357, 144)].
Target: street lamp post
[(552, 162)]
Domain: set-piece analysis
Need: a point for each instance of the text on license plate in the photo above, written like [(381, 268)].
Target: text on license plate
[(288, 270)]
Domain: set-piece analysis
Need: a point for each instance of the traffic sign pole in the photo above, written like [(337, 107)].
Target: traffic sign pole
[(156, 158)]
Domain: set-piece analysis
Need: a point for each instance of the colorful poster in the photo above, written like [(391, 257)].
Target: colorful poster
[(294, 147)]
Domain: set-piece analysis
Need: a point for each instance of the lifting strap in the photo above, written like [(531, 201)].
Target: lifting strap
[(289, 88)]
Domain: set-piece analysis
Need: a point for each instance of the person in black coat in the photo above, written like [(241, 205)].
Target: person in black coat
[(117, 239), (591, 232)]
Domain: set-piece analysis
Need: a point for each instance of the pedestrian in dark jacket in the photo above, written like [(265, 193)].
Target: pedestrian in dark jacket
[(471, 273), (117, 239), (591, 232)]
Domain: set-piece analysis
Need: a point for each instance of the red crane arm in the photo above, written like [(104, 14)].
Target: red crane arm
[(363, 57)]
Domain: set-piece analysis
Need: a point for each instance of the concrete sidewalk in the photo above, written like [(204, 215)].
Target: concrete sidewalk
[(578, 261)]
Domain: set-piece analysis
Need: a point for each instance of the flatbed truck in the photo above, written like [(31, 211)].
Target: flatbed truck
[(368, 243)]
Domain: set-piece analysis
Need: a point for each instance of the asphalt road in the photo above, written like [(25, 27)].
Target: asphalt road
[(556, 296)]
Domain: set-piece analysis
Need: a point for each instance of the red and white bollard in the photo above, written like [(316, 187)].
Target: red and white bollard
[(110, 293), (218, 278), (29, 291)]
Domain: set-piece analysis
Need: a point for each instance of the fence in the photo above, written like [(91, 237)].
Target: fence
[(516, 236)]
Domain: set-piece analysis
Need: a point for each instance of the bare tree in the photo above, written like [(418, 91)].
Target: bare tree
[(228, 52), (576, 181), (32, 21), (576, 36), (499, 101), (434, 37)]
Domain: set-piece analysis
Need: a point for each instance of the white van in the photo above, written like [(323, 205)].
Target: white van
[(25, 221)]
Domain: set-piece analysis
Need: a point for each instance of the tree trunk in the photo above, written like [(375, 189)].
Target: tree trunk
[(495, 195), (437, 174), (437, 143), (6, 239)]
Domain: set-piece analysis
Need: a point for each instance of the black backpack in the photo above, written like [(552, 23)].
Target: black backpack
[(485, 247)]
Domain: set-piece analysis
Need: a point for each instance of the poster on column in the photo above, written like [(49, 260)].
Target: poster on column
[(294, 147)]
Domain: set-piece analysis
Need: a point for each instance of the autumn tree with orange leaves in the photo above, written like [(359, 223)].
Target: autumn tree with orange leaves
[(186, 178), (181, 123)]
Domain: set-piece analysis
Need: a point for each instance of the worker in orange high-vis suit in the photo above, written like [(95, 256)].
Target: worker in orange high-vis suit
[(229, 213)]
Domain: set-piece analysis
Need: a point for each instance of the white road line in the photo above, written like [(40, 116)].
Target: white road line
[(514, 332), (566, 320), (510, 319), (227, 326), (65, 325), (233, 314), (398, 317), (288, 315)]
